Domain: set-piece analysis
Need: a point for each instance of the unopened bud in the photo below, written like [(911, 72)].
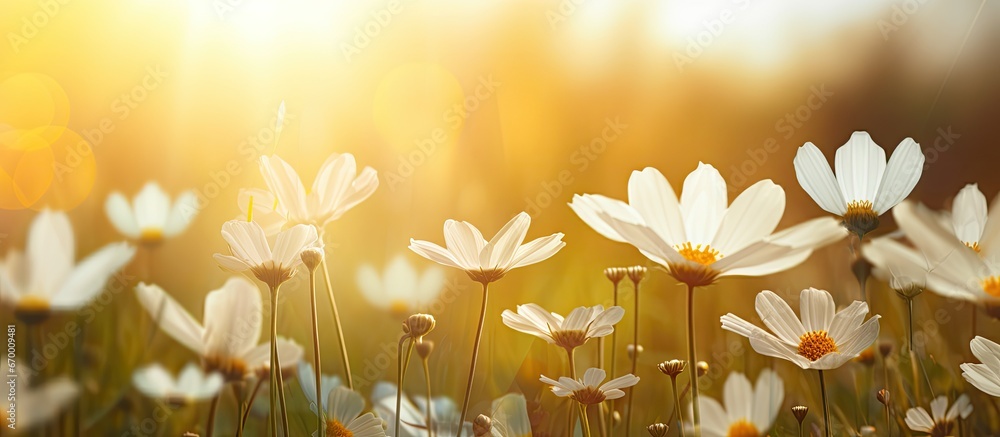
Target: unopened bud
[(633, 351), (702, 368), (312, 257), (672, 368), (800, 411), (636, 273), (616, 419), (418, 325), (883, 397), (424, 348), (658, 429), (482, 425), (885, 348), (615, 274)]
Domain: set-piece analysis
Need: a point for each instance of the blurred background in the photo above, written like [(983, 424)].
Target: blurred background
[(476, 111)]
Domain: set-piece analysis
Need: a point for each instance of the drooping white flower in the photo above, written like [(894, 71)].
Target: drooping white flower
[(344, 418), (400, 288), (747, 410), (191, 385), (151, 217), (823, 339), (941, 421), (865, 186), (307, 380), (47, 277), (701, 237), (575, 330), (413, 413), (589, 390), (252, 251), (227, 340), (985, 376), (35, 405), (487, 261)]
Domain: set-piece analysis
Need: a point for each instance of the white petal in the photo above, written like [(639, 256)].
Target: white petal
[(538, 250), (233, 316), (230, 263), (769, 345), (816, 178), (370, 283), (361, 188), (816, 308), (961, 408), (775, 265), (901, 175), (938, 407), (753, 216), (848, 320), (50, 253), (89, 277), (756, 254), (434, 253), (334, 179), (429, 286), (769, 394), (183, 211), (153, 381), (945, 254), (918, 420), (779, 318), (714, 420), (990, 241), (703, 203), (171, 317), (121, 215), (860, 164), (344, 404), (651, 195), (987, 351), (588, 206), (290, 243), (284, 182), (897, 264), (645, 239), (152, 206), (968, 214), (810, 234), (982, 378), (593, 377), (859, 339), (266, 211), (464, 242), (506, 241), (620, 382), (247, 241), (738, 396), (43, 404)]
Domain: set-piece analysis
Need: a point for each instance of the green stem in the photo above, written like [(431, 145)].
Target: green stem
[(635, 360), (210, 428), (614, 350), (586, 423), (317, 366), (693, 362), (249, 404), (909, 316), (571, 353), (281, 400), (340, 330), (475, 357), (600, 407), (826, 404)]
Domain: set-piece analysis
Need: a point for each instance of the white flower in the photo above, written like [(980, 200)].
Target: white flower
[(191, 385), (901, 266), (589, 390), (985, 376), (337, 188), (251, 250), (37, 404), (307, 380), (344, 418), (974, 224), (227, 341), (46, 277), (822, 339), (699, 238), (510, 416), (748, 411), (413, 414), (400, 288), (487, 261), (151, 217), (865, 186), (582, 324), (941, 421)]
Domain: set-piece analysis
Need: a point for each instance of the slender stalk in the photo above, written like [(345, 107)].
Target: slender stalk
[(862, 281), (677, 405), (475, 357), (253, 395), (600, 406), (909, 317), (571, 353), (826, 404), (340, 330), (210, 428), (635, 359), (586, 423), (399, 378), (800, 429), (317, 366), (281, 401), (888, 420), (238, 396), (614, 350), (693, 362), (277, 389), (427, 381)]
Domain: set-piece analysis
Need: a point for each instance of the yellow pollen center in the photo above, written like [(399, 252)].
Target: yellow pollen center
[(32, 309), (815, 344), (974, 246), (399, 307), (942, 428), (703, 255), (742, 428), (861, 217), (336, 429), (231, 369), (991, 286), (151, 236), (589, 396)]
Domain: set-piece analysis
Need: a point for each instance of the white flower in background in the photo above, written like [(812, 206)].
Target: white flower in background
[(985, 376), (251, 250), (38, 404), (972, 222), (413, 414), (191, 385), (344, 418), (487, 261), (46, 276), (941, 421), (151, 217), (701, 237), (227, 341), (337, 188), (865, 186), (902, 267), (399, 288), (823, 339), (574, 330), (307, 380), (510, 416), (589, 389), (748, 410)]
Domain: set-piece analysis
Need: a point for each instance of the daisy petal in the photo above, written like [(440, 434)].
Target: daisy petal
[(121, 215), (860, 165), (901, 175), (816, 178)]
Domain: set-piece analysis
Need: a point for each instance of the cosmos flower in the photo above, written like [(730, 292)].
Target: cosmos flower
[(47, 277), (399, 288), (151, 217), (700, 238), (823, 339), (344, 418), (902, 267), (941, 421), (191, 385), (974, 224), (510, 416), (575, 330), (38, 404), (227, 341), (487, 261), (589, 389), (865, 186), (748, 410), (413, 414), (985, 376), (251, 250), (307, 381)]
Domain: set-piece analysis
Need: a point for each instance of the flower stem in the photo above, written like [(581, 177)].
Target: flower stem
[(693, 362), (316, 353), (277, 389), (909, 317), (281, 400), (677, 405), (600, 407), (635, 360), (888, 419), (571, 353), (427, 380), (826, 404), (249, 404), (475, 357), (399, 377), (614, 350), (340, 330), (586, 423), (862, 279), (210, 428), (238, 396)]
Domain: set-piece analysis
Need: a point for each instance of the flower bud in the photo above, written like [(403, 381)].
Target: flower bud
[(615, 274), (633, 351), (636, 273), (883, 397), (312, 257), (418, 325), (800, 411), (672, 368), (702, 368), (482, 425), (658, 429)]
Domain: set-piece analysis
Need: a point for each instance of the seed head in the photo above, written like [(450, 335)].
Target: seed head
[(800, 411), (636, 273), (482, 425), (418, 325), (672, 368), (312, 257), (615, 274), (658, 429)]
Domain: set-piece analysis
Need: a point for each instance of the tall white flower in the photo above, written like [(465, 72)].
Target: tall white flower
[(227, 340), (941, 421), (38, 404), (413, 413), (823, 339), (252, 251), (701, 237), (337, 188), (747, 410), (191, 385), (400, 288), (47, 277), (865, 186), (589, 390), (575, 330), (985, 376), (487, 261), (151, 217), (344, 418)]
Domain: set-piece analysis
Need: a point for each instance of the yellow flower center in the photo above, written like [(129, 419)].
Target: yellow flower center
[(704, 255), (151, 236), (991, 286), (399, 308), (32, 309), (588, 396), (815, 344), (860, 217), (742, 428), (569, 339), (974, 246), (486, 276), (700, 273), (231, 369), (336, 429)]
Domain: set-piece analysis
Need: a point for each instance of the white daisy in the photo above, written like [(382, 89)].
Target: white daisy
[(413, 414), (747, 410), (823, 339), (700, 237), (307, 380), (487, 261), (865, 186), (47, 277), (589, 389), (38, 404), (400, 289), (985, 376), (344, 418), (191, 385), (902, 267), (941, 421), (151, 217), (575, 330), (251, 250), (227, 341), (510, 416)]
